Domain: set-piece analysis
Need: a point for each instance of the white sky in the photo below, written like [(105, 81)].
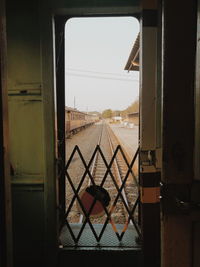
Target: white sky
[(97, 50)]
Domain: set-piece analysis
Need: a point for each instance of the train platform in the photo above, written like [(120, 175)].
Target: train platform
[(128, 137), (107, 252)]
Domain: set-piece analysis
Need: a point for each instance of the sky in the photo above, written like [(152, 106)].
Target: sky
[(96, 53)]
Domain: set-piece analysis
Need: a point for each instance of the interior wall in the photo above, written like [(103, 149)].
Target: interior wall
[(26, 131), (24, 89), (31, 90)]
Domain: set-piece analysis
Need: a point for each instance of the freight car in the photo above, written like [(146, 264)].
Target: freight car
[(76, 120)]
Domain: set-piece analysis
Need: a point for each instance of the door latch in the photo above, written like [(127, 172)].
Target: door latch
[(187, 206), (180, 198)]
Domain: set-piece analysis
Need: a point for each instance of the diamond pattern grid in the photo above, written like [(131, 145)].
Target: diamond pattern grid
[(108, 211)]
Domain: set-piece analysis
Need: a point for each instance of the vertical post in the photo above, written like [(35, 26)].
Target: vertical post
[(5, 186), (48, 94), (197, 101), (149, 173), (60, 99)]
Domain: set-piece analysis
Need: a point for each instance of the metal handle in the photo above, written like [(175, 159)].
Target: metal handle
[(187, 206)]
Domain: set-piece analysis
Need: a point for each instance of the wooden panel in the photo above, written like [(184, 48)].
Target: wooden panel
[(196, 244), (179, 46), (176, 236), (178, 91)]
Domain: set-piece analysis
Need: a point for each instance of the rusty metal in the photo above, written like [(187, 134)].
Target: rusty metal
[(150, 194)]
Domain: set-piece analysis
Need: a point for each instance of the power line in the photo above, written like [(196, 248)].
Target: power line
[(101, 77), (98, 72)]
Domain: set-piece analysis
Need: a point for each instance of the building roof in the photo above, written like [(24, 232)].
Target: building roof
[(134, 114), (133, 60), (74, 110)]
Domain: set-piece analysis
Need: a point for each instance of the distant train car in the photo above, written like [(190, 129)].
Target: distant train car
[(76, 120)]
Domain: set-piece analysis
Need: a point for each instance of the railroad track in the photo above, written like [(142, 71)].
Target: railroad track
[(122, 162), (106, 175)]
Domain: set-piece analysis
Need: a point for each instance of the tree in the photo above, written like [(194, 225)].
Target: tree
[(134, 107), (117, 113), (107, 113)]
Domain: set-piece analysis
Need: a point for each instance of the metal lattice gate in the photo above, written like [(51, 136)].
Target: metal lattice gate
[(101, 198)]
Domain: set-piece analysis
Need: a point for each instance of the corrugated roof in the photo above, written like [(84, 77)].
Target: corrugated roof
[(133, 60)]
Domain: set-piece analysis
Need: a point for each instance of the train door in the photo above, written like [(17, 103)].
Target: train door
[(59, 26), (181, 217), (150, 134)]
